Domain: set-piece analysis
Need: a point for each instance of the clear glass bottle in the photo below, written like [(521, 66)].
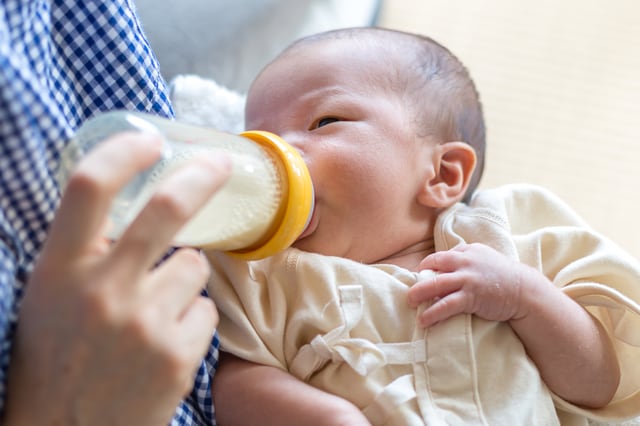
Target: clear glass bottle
[(263, 207)]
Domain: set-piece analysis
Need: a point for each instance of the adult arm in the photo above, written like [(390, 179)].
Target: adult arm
[(248, 394)]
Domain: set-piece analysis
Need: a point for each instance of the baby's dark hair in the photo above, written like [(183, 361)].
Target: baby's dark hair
[(446, 101), (451, 103)]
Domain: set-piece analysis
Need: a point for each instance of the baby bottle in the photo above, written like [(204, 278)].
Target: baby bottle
[(262, 208)]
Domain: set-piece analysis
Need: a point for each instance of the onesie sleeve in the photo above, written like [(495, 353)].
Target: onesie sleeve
[(252, 310), (536, 227), (270, 308)]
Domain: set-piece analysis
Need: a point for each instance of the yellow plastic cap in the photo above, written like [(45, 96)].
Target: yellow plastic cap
[(297, 201)]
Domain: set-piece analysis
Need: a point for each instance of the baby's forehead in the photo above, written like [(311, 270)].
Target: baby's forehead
[(356, 62), (365, 42), (371, 55)]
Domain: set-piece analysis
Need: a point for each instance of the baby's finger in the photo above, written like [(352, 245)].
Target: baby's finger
[(176, 200), (442, 309), (440, 285), (90, 190), (442, 261)]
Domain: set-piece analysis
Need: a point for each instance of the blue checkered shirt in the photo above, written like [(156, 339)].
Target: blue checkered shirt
[(62, 61)]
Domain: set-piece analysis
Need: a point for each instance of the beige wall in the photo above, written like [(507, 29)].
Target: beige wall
[(560, 83)]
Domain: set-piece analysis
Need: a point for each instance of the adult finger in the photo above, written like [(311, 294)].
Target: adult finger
[(196, 329), (90, 190), (178, 281), (201, 318), (176, 200)]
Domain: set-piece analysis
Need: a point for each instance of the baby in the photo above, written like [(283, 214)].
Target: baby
[(412, 298)]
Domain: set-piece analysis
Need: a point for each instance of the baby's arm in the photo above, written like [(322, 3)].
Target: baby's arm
[(246, 393), (560, 336)]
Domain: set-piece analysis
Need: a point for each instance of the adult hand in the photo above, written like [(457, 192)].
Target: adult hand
[(102, 336)]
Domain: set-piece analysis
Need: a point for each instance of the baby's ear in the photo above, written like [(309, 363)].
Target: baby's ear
[(454, 163)]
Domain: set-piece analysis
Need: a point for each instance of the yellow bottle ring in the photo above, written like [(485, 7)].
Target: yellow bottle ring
[(297, 201)]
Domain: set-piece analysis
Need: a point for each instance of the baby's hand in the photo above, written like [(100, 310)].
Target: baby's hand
[(472, 279)]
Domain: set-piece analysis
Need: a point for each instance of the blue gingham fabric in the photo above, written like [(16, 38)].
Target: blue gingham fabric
[(62, 61)]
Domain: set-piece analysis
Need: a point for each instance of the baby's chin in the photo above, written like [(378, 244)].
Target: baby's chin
[(309, 244), (313, 244), (328, 248)]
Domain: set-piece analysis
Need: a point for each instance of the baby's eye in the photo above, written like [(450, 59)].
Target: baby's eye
[(324, 121)]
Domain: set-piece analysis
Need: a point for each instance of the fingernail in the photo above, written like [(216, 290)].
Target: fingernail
[(150, 140), (219, 162), (149, 137)]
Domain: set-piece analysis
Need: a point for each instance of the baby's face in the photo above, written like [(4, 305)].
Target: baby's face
[(337, 102)]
